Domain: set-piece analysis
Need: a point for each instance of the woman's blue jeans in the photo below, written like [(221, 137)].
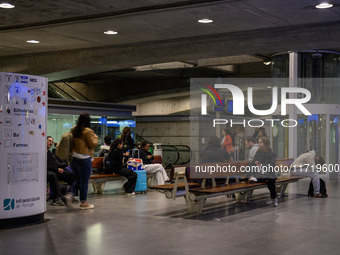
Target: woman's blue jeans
[(82, 168)]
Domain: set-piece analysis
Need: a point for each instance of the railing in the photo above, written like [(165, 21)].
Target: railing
[(172, 154), (54, 91), (175, 154)]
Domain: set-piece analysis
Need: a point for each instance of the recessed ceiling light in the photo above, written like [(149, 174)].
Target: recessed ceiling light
[(110, 32), (32, 41), (7, 5), (205, 21), (324, 6)]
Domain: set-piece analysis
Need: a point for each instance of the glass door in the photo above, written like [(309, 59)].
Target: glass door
[(334, 129)]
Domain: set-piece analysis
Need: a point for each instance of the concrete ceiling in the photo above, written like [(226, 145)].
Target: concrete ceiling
[(73, 46)]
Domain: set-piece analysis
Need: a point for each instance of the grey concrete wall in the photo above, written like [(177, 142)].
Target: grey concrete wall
[(167, 133)]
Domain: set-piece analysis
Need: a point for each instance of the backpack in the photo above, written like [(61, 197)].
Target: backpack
[(323, 190), (64, 147), (106, 163)]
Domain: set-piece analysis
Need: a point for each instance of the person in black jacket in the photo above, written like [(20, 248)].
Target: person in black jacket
[(56, 172), (116, 156), (265, 160), (213, 152)]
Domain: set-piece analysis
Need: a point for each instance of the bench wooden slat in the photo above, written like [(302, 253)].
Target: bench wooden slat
[(180, 185), (97, 176), (227, 187)]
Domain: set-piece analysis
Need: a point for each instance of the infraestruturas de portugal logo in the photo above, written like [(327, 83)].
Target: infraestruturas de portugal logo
[(9, 204)]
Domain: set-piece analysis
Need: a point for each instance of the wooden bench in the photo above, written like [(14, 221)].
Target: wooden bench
[(98, 178), (195, 194)]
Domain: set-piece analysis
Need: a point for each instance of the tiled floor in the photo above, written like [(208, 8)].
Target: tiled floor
[(151, 224)]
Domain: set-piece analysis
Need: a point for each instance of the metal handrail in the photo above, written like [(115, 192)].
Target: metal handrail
[(55, 87), (61, 95)]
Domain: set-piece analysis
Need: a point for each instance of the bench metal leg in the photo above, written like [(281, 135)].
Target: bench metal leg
[(98, 187), (243, 197), (195, 206)]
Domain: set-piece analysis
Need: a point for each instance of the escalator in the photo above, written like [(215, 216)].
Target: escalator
[(171, 154), (65, 92)]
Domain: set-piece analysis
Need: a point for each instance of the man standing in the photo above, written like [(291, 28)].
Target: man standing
[(305, 165)]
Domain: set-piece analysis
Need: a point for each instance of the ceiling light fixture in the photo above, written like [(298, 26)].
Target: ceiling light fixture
[(110, 32), (205, 21), (324, 6), (33, 41), (7, 5), (267, 62)]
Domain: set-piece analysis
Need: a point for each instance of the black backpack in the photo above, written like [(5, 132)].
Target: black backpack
[(323, 190), (106, 163)]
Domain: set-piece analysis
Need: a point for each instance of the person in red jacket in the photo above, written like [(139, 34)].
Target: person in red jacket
[(227, 142)]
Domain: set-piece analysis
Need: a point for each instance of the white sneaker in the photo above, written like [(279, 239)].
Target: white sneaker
[(86, 206), (275, 202), (68, 199), (252, 179), (130, 194)]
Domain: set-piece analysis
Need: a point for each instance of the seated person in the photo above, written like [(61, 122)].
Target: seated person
[(252, 146), (159, 175), (116, 157), (305, 165), (104, 149), (264, 158), (213, 152), (52, 178), (55, 173)]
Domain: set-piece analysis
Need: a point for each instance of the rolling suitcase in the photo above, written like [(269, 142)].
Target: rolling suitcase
[(141, 184)]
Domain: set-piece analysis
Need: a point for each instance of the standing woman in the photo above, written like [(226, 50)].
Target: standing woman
[(84, 143), (261, 133), (127, 140), (227, 142), (159, 174), (116, 156), (264, 159)]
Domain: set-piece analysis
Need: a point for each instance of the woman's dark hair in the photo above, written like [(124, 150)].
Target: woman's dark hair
[(213, 142), (251, 139), (84, 121), (227, 131), (265, 140), (319, 160), (107, 140), (263, 131), (126, 131), (115, 143), (144, 143)]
